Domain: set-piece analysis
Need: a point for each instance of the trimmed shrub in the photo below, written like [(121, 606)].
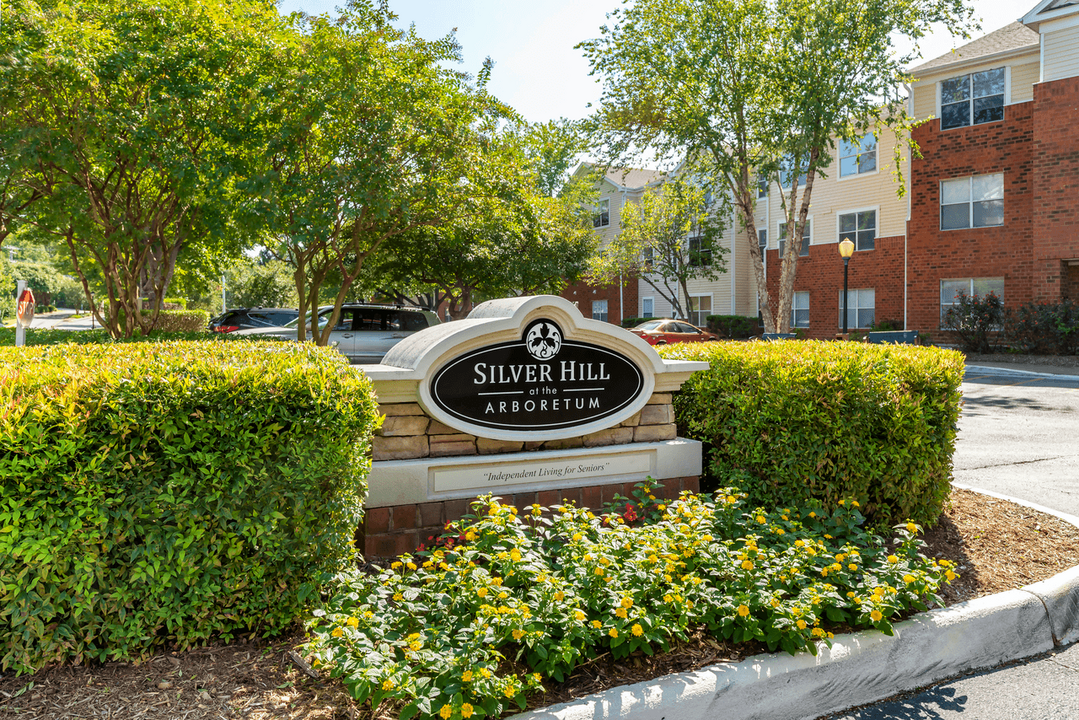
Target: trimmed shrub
[(55, 336), (734, 327), (182, 321), (1049, 328), (633, 322), (976, 320), (167, 493), (790, 423)]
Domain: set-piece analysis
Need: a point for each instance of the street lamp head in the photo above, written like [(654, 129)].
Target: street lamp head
[(846, 249)]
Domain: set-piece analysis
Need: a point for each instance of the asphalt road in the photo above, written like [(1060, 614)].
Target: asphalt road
[(1019, 436)]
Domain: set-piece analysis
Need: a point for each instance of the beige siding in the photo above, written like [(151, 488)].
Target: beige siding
[(833, 195), (1023, 70), (1024, 77), (1061, 53), (925, 99)]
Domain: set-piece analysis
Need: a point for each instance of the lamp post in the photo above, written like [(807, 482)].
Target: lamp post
[(846, 249)]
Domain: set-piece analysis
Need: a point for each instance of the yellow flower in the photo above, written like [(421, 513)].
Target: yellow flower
[(912, 527), (637, 629), (855, 503), (747, 565), (579, 616), (518, 634), (352, 622), (337, 632), (597, 624), (397, 597), (515, 555), (893, 559), (481, 592), (466, 676), (876, 615), (950, 575), (466, 711), (560, 595), (743, 611), (841, 502), (852, 567), (412, 565), (577, 537), (908, 579), (798, 543), (387, 685), (470, 535), (627, 602), (801, 624), (812, 514), (613, 632), (510, 690), (485, 673), (817, 632), (760, 519), (599, 571), (395, 565), (621, 612), (446, 711), (496, 581)]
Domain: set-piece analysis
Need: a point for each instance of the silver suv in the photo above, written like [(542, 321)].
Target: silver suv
[(363, 333)]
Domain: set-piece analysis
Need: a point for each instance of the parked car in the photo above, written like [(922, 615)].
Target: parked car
[(364, 333), (257, 317), (662, 331)]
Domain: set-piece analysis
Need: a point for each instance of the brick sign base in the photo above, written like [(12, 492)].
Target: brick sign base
[(390, 531)]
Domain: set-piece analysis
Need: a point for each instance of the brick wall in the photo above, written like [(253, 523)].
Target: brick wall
[(390, 531), (1056, 190), (583, 294), (1005, 251), (821, 274)]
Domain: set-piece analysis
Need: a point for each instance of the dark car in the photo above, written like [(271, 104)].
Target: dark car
[(257, 317), (662, 331)]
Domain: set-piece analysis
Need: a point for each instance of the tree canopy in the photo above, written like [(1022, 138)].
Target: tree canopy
[(741, 88)]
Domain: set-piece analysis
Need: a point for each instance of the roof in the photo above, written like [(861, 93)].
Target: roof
[(1014, 36), (1049, 10)]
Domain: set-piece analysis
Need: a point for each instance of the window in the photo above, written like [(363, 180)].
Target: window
[(762, 242), (648, 307), (800, 310), (860, 305), (599, 310), (972, 99), (762, 187), (972, 202), (860, 228), (700, 307), (806, 234), (787, 172), (700, 252), (602, 216), (857, 158), (950, 289), (648, 256)]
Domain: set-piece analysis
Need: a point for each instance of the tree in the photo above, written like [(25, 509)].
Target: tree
[(668, 239), (118, 112), (257, 284), (522, 228), (741, 88), (361, 135)]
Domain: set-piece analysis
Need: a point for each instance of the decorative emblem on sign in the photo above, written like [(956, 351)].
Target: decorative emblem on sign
[(541, 382), (543, 339)]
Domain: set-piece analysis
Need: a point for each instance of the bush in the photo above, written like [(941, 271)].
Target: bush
[(1044, 328), (975, 319), (163, 494), (56, 336), (182, 321), (635, 321), (794, 422), (734, 327), (509, 602)]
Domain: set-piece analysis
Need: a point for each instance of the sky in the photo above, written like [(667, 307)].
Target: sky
[(537, 69)]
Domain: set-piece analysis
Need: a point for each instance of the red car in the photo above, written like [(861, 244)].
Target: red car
[(662, 331)]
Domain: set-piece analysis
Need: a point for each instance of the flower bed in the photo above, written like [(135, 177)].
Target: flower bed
[(506, 602)]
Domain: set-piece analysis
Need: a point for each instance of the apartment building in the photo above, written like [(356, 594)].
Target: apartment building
[(992, 204)]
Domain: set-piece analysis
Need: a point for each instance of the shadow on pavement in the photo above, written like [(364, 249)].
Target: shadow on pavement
[(926, 705)]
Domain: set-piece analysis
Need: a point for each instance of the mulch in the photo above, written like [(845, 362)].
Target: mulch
[(996, 544)]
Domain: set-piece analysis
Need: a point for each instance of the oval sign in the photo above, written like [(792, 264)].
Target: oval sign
[(541, 382)]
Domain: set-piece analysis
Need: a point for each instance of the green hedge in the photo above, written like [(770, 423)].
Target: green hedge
[(182, 321), (790, 422), (166, 493), (56, 336), (737, 327)]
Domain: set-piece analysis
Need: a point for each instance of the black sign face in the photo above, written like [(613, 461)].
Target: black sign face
[(542, 382)]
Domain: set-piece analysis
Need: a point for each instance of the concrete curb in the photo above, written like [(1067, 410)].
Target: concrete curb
[(992, 369), (860, 668)]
